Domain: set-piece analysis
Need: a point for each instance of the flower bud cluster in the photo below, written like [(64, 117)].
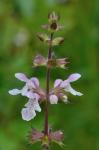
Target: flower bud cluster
[(53, 25), (40, 60)]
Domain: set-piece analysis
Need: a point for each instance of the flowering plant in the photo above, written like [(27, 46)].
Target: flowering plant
[(36, 95)]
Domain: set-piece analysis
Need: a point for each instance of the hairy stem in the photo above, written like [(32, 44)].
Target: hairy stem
[(47, 87)]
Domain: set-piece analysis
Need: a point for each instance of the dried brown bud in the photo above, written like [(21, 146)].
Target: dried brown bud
[(57, 63), (51, 63), (52, 27)]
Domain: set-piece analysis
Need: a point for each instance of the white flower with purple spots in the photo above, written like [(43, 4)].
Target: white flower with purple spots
[(31, 90), (61, 87), (31, 106)]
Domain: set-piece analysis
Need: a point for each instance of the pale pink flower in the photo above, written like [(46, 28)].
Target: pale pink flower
[(31, 90), (61, 87), (31, 87), (31, 106)]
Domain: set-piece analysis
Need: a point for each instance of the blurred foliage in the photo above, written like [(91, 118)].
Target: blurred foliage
[(20, 21)]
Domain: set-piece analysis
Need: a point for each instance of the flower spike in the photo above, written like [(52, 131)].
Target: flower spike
[(36, 95)]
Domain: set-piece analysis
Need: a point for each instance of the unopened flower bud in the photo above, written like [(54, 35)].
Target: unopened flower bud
[(53, 99), (53, 17), (65, 99), (57, 63), (43, 37), (61, 62), (39, 60), (57, 41)]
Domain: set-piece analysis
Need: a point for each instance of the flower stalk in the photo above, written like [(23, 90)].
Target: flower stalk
[(47, 86)]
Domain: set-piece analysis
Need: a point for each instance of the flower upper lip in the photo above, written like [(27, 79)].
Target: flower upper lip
[(31, 86)]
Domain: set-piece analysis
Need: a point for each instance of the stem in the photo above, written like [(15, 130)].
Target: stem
[(46, 130)]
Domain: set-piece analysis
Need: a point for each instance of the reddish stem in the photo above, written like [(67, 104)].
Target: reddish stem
[(46, 130)]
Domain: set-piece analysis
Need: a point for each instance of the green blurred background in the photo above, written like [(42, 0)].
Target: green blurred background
[(20, 21)]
